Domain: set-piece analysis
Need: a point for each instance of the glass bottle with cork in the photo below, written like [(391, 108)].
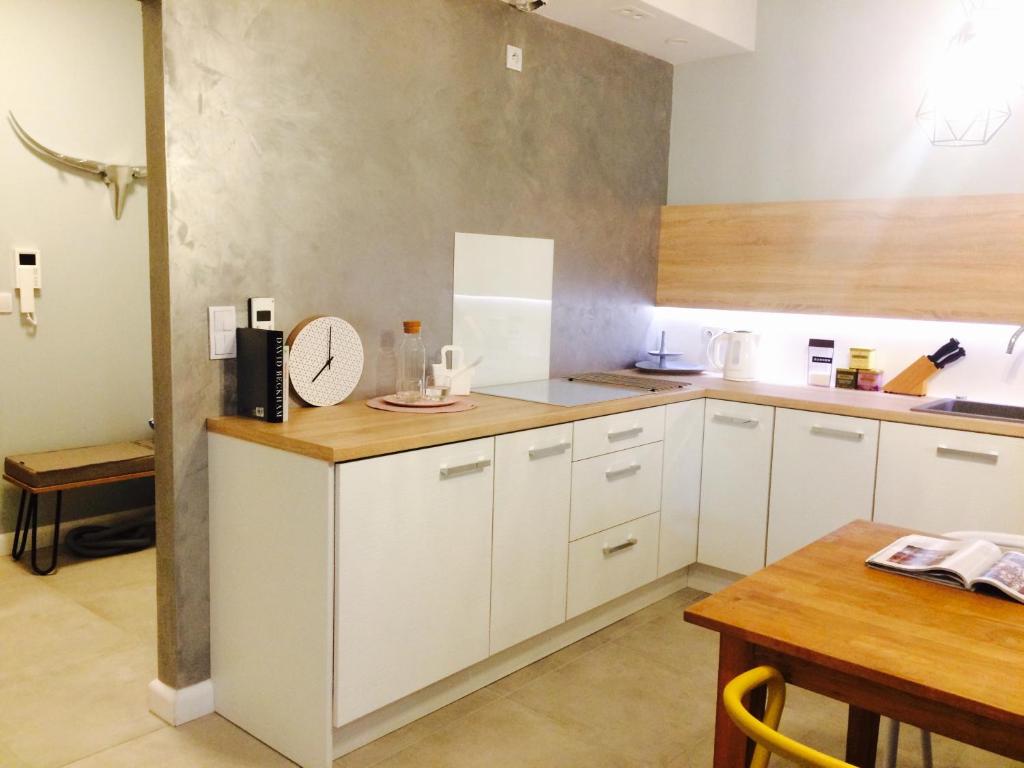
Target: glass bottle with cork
[(412, 364)]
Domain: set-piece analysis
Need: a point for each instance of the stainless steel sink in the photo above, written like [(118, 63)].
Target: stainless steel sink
[(975, 410)]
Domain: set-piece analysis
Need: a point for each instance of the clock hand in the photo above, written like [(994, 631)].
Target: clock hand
[(326, 366), (330, 334)]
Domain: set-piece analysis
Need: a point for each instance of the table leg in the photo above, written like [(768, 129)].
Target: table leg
[(732, 748), (861, 737), (21, 527), (56, 537)]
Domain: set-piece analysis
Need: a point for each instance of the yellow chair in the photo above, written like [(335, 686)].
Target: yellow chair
[(765, 733)]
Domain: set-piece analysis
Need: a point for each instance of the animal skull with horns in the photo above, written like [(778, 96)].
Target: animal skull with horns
[(117, 177)]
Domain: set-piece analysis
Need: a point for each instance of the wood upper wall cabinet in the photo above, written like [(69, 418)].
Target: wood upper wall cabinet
[(941, 258)]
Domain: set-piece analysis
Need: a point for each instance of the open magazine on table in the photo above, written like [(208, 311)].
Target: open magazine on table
[(976, 564)]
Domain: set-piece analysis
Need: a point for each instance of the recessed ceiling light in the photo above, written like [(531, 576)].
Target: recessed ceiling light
[(677, 41), (631, 12)]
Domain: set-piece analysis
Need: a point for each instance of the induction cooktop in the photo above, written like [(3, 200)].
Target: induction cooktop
[(560, 392)]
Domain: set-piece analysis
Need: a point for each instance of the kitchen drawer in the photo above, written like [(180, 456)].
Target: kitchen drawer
[(605, 434), (612, 563), (609, 490), (939, 480)]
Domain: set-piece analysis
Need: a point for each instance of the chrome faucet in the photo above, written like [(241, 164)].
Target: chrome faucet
[(1013, 340)]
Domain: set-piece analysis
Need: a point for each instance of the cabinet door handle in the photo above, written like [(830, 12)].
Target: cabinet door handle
[(610, 549), (464, 469), (739, 421), (549, 450), (987, 457), (611, 474), (846, 434), (622, 434)]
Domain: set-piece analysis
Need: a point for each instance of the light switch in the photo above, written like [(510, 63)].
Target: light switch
[(6, 303), (222, 333)]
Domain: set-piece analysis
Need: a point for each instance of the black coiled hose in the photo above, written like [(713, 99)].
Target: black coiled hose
[(107, 540)]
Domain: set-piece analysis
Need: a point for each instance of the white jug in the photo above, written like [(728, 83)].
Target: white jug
[(738, 360)]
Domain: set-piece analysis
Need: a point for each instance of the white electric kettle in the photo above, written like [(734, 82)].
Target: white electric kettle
[(734, 353)]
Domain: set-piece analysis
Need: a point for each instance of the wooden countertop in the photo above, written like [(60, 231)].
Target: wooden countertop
[(354, 431)]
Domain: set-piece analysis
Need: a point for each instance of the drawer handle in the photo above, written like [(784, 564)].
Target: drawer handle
[(846, 434), (987, 457), (622, 434), (611, 549), (739, 421), (464, 469), (549, 450), (612, 474)]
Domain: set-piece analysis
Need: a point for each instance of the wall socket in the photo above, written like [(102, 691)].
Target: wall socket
[(514, 58), (707, 333)]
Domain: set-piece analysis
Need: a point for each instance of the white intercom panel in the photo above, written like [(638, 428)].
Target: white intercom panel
[(261, 313), (27, 280)]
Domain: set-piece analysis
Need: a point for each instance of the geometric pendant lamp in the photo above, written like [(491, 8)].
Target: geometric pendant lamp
[(974, 127), (966, 103)]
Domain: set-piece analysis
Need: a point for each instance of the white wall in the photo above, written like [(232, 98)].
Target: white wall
[(71, 71), (825, 109)]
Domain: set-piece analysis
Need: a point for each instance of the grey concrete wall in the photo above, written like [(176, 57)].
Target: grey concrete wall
[(325, 153)]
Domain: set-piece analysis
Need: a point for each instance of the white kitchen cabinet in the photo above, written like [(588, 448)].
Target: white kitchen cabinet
[(734, 485), (413, 572), (614, 488), (823, 476), (532, 481), (593, 437), (680, 486), (611, 563), (939, 480)]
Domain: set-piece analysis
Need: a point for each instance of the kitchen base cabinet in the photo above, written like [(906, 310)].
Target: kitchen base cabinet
[(939, 480), (413, 573), (680, 485), (532, 480), (612, 563), (272, 595), (823, 476), (734, 485)]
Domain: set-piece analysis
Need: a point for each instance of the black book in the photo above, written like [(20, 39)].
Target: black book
[(262, 374)]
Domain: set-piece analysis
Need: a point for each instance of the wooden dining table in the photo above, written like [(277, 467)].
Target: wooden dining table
[(943, 659)]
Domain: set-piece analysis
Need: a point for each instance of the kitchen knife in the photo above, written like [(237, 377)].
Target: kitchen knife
[(950, 346), (957, 354)]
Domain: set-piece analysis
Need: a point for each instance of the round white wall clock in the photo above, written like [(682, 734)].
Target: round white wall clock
[(326, 360)]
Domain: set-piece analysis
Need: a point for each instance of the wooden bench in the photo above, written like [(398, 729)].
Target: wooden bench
[(59, 471)]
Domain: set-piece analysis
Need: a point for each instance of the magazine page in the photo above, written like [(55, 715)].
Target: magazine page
[(1007, 575), (974, 559), (953, 561)]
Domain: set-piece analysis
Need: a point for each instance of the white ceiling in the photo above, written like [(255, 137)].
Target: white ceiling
[(676, 31)]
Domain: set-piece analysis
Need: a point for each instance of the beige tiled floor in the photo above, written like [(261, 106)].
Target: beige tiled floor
[(78, 648)]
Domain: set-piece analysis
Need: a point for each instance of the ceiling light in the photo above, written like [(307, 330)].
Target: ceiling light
[(631, 12), (526, 5)]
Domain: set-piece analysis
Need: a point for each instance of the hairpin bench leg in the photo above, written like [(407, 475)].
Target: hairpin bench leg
[(22, 526), (56, 536)]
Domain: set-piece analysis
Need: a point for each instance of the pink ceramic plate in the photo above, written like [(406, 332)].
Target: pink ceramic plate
[(393, 400), (460, 404)]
